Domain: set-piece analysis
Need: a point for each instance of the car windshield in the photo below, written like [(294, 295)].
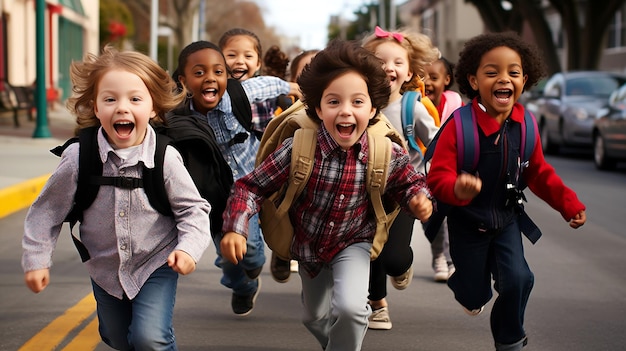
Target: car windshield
[(597, 86)]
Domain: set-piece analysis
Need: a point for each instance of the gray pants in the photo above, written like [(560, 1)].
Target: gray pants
[(335, 301)]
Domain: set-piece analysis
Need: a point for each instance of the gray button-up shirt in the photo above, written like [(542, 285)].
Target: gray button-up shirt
[(126, 237)]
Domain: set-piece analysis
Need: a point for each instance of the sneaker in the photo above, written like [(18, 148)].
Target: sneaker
[(475, 312), (401, 282), (281, 269), (379, 319), (242, 305), (294, 266), (440, 266), (252, 274)]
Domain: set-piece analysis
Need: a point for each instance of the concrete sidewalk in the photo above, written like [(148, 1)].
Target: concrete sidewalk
[(26, 162)]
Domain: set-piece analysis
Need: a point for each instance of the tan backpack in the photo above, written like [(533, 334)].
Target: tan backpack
[(275, 223)]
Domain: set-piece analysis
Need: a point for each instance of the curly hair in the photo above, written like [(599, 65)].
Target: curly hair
[(86, 75), (275, 62), (476, 47), (420, 51), (338, 58)]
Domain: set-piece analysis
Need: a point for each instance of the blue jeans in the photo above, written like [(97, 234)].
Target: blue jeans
[(234, 276), (335, 301), (143, 323), (479, 256)]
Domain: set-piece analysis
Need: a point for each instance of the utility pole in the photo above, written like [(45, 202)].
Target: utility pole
[(41, 129), (154, 24)]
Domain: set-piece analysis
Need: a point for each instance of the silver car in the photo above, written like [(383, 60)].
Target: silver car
[(569, 104), (609, 132)]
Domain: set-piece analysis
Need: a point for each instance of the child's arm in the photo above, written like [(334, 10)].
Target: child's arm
[(262, 88)]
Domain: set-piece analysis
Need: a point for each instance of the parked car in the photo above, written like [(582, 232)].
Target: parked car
[(609, 132), (569, 104), (530, 97)]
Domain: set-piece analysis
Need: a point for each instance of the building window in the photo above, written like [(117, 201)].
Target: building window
[(429, 24), (617, 30)]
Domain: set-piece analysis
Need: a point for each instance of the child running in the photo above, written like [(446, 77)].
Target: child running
[(202, 70), (487, 220), (334, 224), (404, 55), (439, 79), (136, 252)]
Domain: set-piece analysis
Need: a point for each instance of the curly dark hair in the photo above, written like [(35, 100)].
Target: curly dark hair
[(338, 58), (276, 62), (475, 48)]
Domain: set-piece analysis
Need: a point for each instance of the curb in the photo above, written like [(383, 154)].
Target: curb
[(21, 195)]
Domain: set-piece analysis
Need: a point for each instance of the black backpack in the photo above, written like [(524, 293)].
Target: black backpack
[(90, 179), (241, 106)]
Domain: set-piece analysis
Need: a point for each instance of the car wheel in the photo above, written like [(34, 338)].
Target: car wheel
[(600, 158), (547, 145)]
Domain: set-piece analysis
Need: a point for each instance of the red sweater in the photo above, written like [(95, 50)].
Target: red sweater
[(539, 175)]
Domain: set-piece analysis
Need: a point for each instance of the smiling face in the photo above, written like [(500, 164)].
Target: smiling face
[(124, 110), (499, 81), (346, 108), (396, 65), (437, 78), (242, 57), (205, 78)]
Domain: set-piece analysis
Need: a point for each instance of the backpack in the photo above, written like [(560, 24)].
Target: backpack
[(90, 179), (275, 223), (468, 153), (409, 98), (241, 106)]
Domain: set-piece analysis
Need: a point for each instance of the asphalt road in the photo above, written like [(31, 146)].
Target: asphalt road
[(578, 303)]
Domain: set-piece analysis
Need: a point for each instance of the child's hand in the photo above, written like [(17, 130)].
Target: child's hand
[(233, 247), (294, 89), (37, 280), (181, 262), (421, 206), (467, 186), (578, 220)]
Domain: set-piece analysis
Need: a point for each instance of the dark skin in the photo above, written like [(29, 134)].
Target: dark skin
[(205, 76)]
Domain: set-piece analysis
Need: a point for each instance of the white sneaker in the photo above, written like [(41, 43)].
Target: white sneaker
[(379, 319), (401, 282), (440, 266), (294, 266)]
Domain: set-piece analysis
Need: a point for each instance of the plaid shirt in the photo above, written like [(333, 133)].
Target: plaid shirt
[(334, 211), (241, 156)]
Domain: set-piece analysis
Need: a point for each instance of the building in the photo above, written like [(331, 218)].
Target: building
[(71, 29)]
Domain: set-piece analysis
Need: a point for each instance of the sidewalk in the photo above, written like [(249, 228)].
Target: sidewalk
[(26, 162)]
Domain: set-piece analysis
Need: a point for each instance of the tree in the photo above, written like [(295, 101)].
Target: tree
[(116, 23), (585, 25)]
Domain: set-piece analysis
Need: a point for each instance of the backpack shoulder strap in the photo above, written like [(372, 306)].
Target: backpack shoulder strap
[(241, 106), (530, 130), (377, 172), (406, 112), (302, 159), (153, 180), (466, 138)]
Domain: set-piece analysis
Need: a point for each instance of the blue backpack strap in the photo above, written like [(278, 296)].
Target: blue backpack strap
[(466, 138), (408, 103), (529, 135)]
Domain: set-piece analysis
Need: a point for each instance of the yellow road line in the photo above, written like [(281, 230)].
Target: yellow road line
[(54, 333), (87, 340), (20, 196)]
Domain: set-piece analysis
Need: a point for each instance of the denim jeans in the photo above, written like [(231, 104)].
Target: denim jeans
[(234, 276), (479, 256), (143, 323), (335, 301)]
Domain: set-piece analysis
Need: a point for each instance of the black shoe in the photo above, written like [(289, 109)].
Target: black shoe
[(242, 305), (281, 269), (253, 273)]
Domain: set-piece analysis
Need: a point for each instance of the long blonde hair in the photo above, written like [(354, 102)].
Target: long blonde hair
[(420, 51), (86, 75)]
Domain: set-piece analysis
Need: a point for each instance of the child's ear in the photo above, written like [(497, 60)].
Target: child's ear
[(473, 81), (374, 112)]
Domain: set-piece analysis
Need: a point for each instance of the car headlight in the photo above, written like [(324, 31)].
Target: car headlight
[(580, 113)]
